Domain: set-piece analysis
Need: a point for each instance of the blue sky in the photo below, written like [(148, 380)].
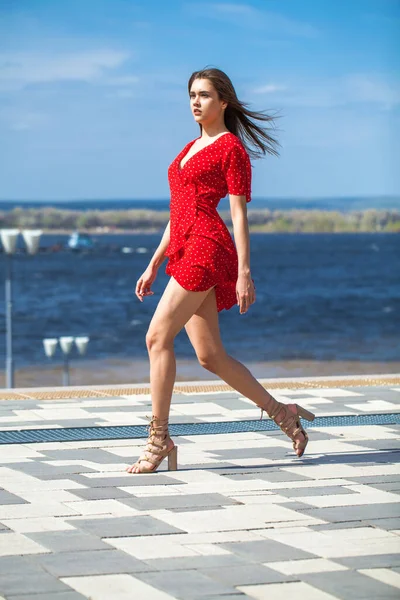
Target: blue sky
[(94, 104)]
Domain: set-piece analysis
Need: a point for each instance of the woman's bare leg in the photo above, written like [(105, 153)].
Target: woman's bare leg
[(204, 334), (174, 309)]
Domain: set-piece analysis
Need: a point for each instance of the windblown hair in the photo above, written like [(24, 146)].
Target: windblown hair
[(238, 118)]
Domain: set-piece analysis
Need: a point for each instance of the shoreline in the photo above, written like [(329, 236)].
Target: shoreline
[(255, 230), (125, 371)]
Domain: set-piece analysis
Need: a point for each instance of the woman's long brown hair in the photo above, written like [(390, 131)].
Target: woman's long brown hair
[(238, 118)]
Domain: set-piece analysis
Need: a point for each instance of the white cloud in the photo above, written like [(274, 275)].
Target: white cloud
[(364, 88), (122, 93), (270, 88), (236, 9), (355, 88), (22, 120), (126, 80), (246, 15), (18, 70)]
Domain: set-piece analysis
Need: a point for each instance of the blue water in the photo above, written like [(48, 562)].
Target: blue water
[(319, 296)]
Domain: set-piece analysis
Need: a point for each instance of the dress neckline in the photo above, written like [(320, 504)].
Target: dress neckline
[(180, 168)]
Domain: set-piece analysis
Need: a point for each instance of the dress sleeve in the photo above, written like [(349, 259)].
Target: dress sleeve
[(237, 170)]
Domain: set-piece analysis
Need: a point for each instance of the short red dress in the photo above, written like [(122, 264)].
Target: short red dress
[(201, 251)]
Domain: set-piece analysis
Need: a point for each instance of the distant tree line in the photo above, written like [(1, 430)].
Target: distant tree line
[(295, 221)]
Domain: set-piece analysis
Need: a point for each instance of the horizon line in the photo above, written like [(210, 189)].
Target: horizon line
[(166, 199)]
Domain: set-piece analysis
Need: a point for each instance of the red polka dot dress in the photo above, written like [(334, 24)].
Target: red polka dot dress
[(201, 252)]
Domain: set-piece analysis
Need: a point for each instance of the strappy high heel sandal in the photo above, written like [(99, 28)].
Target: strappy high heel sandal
[(289, 421), (157, 448)]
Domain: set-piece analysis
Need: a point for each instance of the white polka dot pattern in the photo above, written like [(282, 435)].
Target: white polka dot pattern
[(201, 252)]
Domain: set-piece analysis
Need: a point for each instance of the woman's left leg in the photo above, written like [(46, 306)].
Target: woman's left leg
[(204, 334), (174, 309)]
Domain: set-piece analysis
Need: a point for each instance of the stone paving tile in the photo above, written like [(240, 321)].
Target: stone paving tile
[(283, 476), (245, 575), (319, 491), (45, 471), (348, 585), (67, 595), (232, 403), (350, 513), (338, 525), (97, 455), (267, 551), (190, 563), (311, 565), (271, 474), (283, 591), (384, 575), (389, 524), (236, 596), (116, 587), (376, 479), (101, 493), (68, 541), (198, 509), (179, 502), (393, 487), (16, 544), (126, 526), (372, 561), (24, 582), (18, 564), (383, 444), (129, 480), (117, 409), (186, 585), (98, 562), (7, 498), (242, 453)]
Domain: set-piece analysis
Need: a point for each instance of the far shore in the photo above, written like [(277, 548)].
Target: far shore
[(123, 371), (255, 229), (58, 221)]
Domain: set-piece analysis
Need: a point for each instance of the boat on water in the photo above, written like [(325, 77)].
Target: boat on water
[(80, 241)]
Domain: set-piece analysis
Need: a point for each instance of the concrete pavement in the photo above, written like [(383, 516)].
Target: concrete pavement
[(242, 517)]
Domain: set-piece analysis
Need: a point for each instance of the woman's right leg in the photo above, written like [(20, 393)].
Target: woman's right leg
[(174, 309), (203, 332)]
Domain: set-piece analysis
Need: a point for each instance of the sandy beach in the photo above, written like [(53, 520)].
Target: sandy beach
[(117, 371)]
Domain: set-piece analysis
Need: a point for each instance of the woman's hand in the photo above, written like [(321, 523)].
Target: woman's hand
[(145, 282), (245, 292)]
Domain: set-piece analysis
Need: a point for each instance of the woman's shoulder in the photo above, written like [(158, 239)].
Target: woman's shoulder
[(230, 140), (231, 143)]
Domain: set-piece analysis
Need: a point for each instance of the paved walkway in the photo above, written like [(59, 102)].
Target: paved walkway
[(241, 518)]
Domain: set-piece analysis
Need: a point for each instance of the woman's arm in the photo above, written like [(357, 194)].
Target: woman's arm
[(241, 232), (145, 282), (244, 287), (159, 255)]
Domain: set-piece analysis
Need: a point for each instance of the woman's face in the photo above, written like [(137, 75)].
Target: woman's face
[(205, 105)]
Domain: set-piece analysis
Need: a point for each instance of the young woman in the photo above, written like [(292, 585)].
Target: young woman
[(208, 271)]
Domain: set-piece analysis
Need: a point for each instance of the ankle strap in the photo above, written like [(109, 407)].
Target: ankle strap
[(158, 426)]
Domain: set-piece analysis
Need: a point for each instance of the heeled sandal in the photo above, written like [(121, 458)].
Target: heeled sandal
[(156, 448), (290, 424)]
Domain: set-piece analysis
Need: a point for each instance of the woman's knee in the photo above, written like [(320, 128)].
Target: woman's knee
[(157, 339), (211, 361)]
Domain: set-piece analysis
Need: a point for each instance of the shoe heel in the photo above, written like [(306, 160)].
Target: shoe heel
[(306, 414), (173, 459)]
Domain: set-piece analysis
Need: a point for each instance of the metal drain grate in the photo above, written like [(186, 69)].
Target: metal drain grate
[(80, 434)]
